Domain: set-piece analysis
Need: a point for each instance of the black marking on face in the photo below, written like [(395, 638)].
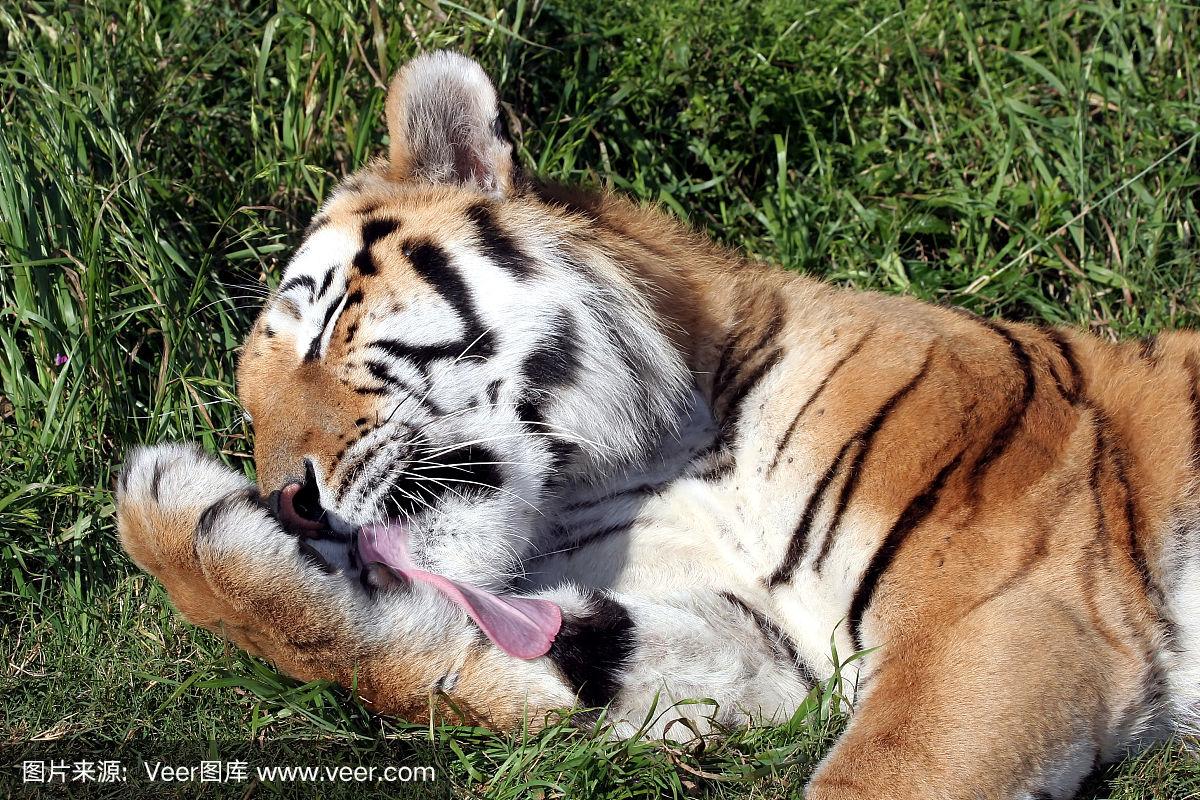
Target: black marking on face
[(497, 245), (325, 283), (314, 557), (592, 650), (380, 372), (314, 349), (364, 262), (493, 391), (470, 470), (554, 363), (562, 453), (372, 232), (419, 354), (433, 265), (298, 281), (376, 229)]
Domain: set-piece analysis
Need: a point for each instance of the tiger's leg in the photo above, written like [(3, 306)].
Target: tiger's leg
[(1021, 698), (230, 567)]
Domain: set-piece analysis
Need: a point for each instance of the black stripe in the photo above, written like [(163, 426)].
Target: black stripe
[(592, 538), (315, 225), (382, 374), (554, 363), (493, 391), (562, 453), (635, 491), (592, 650), (733, 409), (867, 437), (1148, 349), (1120, 466), (314, 349), (786, 439), (314, 557), (376, 229), (156, 479), (433, 265), (208, 518), (798, 543), (1133, 544), (781, 644), (1065, 351), (299, 280), (469, 470), (372, 232), (496, 244), (721, 467), (724, 362), (863, 436), (1029, 560), (1008, 429), (727, 369), (418, 354), (916, 511), (364, 262), (325, 283)]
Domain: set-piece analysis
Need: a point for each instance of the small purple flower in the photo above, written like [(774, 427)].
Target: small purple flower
[(60, 359)]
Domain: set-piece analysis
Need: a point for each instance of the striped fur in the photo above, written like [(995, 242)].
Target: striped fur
[(714, 468)]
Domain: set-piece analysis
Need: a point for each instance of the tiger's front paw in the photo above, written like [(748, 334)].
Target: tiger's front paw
[(162, 492), (226, 561)]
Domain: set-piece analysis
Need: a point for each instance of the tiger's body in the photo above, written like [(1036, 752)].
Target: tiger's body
[(715, 470)]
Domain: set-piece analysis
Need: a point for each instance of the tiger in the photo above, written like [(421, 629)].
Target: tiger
[(522, 448)]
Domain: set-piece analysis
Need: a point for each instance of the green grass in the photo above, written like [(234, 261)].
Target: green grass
[(158, 159)]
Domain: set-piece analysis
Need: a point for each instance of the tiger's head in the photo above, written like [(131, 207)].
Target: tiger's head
[(452, 345)]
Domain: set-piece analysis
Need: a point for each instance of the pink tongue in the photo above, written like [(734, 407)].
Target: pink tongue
[(520, 626)]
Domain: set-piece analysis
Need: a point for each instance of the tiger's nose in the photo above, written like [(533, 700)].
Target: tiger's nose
[(300, 502)]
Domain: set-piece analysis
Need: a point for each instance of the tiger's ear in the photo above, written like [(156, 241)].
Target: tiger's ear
[(444, 124)]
